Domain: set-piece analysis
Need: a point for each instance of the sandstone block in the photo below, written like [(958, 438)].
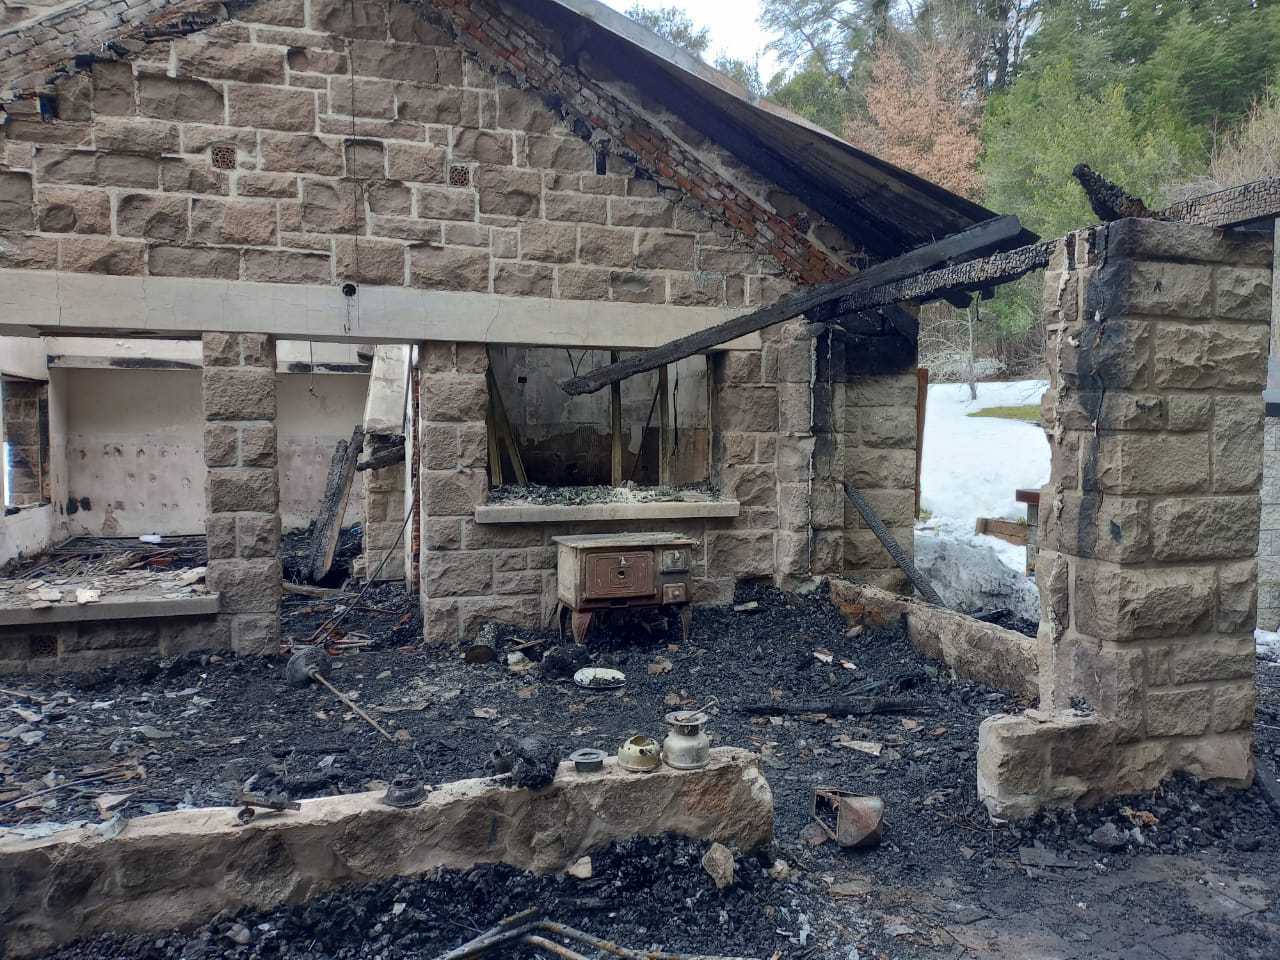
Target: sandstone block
[(1162, 240), (1169, 289), (175, 261), (1222, 356), (220, 533), (272, 108), (1117, 353), (438, 105), (367, 260), (184, 176), (739, 366), (1237, 443), (561, 153), (697, 290), (153, 217), (330, 206), (509, 192), (362, 98), (1094, 526), (256, 633), (579, 208), (1142, 463), (1205, 528), (393, 61), (280, 13), (99, 255), (239, 394), (258, 536), (280, 266), (1237, 596), (183, 99), (365, 159), (657, 249), (449, 268), (233, 221), (1181, 712), (257, 445), (388, 197), (458, 574), (443, 533), (548, 242), (220, 349), (473, 449), (639, 212), (455, 493), (446, 203), (16, 199), (484, 146), (303, 154), (746, 409), (1016, 757), (1242, 293), (280, 185), (882, 427), (29, 252), (221, 445), (581, 283), (419, 164), (1206, 659), (1127, 603), (745, 555), (241, 489), (458, 398), (113, 93), (523, 279), (474, 612), (1188, 412), (1234, 707), (440, 622), (629, 287), (246, 586), (1226, 759), (510, 584), (523, 110), (360, 19), (871, 468), (69, 211), (224, 60)]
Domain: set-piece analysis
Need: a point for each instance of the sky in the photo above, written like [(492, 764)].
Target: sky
[(733, 26)]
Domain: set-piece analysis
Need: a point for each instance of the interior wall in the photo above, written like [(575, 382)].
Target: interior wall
[(565, 439), (134, 444), (309, 426), (135, 452), (35, 528)]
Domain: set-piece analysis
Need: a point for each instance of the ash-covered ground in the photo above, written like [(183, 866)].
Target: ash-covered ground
[(1187, 871)]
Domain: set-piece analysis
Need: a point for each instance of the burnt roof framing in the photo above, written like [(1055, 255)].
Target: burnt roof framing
[(909, 278)]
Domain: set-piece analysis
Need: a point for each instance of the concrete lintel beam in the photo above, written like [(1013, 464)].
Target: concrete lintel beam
[(60, 303)]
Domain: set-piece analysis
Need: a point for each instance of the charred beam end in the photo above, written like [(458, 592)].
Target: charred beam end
[(1108, 200), (382, 458), (958, 246)]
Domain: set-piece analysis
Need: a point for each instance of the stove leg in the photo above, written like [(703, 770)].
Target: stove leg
[(581, 623), (686, 619)]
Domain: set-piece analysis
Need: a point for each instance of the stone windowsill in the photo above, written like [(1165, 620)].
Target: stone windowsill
[(584, 512)]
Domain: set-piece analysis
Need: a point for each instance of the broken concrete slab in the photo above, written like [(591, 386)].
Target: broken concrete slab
[(181, 868)]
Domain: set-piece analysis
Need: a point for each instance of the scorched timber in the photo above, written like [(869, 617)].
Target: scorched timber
[(958, 246)]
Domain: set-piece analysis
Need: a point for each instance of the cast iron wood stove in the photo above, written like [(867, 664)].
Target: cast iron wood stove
[(619, 570)]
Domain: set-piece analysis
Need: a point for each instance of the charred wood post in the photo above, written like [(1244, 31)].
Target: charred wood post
[(337, 490), (1108, 200)]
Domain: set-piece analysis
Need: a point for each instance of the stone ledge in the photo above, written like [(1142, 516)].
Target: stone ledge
[(110, 610), (182, 868), (1000, 658), (585, 512)]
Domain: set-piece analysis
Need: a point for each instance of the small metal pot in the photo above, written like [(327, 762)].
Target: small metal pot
[(640, 754), (588, 760), (686, 746)]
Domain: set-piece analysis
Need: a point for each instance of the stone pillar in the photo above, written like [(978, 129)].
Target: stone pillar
[(242, 491), (384, 506), (1269, 535), (871, 444), (457, 574), (1157, 345)]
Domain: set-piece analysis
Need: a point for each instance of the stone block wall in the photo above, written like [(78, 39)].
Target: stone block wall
[(1157, 351), (384, 506), (1269, 533), (26, 431), (242, 489), (764, 414), (377, 147), (88, 643)]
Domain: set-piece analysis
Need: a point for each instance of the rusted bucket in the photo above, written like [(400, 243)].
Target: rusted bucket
[(850, 819)]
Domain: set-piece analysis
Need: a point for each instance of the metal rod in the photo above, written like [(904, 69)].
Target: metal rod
[(351, 703)]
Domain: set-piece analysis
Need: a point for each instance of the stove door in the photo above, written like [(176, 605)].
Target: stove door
[(619, 575)]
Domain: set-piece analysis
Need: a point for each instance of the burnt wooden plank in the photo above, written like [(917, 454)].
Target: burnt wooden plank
[(337, 490), (956, 246)]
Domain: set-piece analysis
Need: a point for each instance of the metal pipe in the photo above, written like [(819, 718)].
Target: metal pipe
[(315, 675)]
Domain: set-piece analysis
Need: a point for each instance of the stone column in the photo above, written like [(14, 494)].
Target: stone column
[(242, 491), (1157, 347), (384, 505), (457, 573)]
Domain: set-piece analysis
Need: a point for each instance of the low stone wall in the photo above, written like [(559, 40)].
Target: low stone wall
[(182, 868), (161, 628), (978, 651)]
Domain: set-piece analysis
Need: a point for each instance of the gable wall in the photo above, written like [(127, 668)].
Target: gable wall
[(345, 144)]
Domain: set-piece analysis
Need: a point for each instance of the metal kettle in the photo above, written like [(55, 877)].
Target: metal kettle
[(686, 747)]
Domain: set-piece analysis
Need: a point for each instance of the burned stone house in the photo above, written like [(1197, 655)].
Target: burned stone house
[(231, 233)]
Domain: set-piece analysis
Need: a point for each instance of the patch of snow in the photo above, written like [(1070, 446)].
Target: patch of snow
[(972, 466), (1268, 644), (972, 577)]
